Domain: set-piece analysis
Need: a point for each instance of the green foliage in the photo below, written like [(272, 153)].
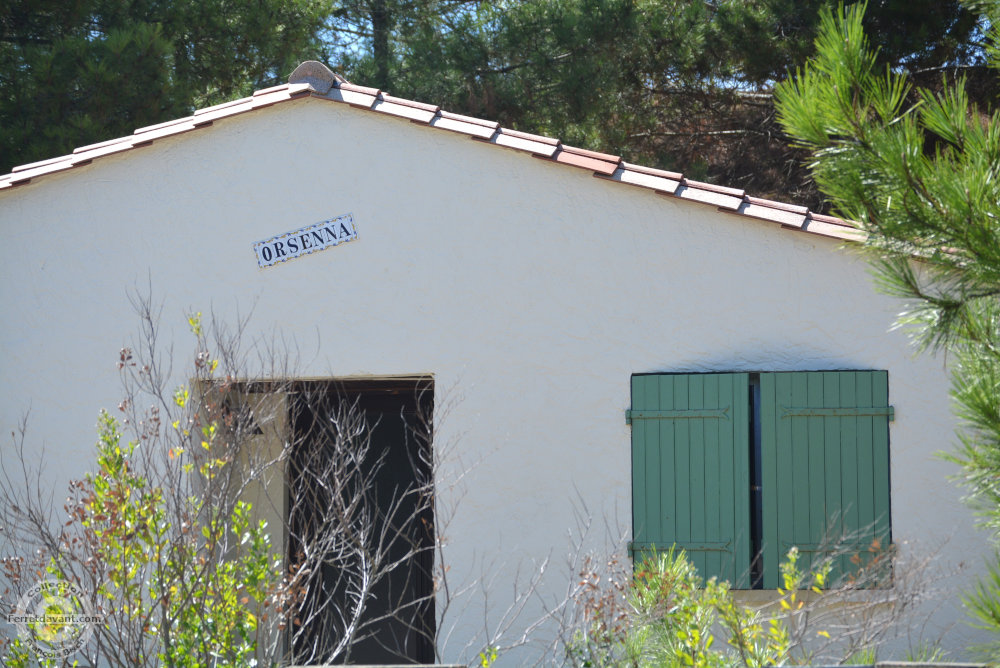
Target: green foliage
[(984, 603), (195, 604), (917, 168), (681, 84), (925, 653), (488, 656), (188, 580), (75, 73), (865, 657), (668, 615)]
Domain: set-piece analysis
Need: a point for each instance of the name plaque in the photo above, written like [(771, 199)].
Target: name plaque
[(311, 239)]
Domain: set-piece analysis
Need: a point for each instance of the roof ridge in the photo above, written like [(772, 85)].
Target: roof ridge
[(313, 79)]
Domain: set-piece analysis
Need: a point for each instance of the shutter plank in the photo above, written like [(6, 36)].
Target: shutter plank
[(850, 464), (770, 475), (804, 431), (696, 453), (866, 457), (739, 456), (826, 523), (666, 478), (714, 501), (880, 454), (682, 462), (639, 463)]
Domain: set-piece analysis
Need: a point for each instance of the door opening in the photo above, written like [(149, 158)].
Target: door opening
[(360, 490)]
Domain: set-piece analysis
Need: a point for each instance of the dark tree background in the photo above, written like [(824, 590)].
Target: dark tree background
[(74, 72), (679, 84)]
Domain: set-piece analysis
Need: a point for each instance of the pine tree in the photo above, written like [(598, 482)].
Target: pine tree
[(74, 73), (918, 169)]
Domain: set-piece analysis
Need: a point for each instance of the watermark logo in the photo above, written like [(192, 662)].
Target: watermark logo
[(55, 618)]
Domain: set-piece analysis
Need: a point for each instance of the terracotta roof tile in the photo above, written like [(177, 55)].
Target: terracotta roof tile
[(601, 163), (280, 95), (272, 89), (697, 192), (662, 173), (711, 187), (242, 106), (794, 208), (50, 168), (40, 163), (357, 96), (367, 90), (523, 141), (102, 144), (830, 219), (433, 108), (833, 230), (596, 155), (661, 183), (107, 149), (415, 111), (608, 167), (159, 126), (765, 210), (219, 107), (465, 124)]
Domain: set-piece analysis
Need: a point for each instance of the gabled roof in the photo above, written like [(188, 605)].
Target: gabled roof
[(315, 80)]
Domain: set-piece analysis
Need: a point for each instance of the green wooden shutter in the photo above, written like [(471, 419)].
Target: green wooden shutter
[(825, 464), (690, 487)]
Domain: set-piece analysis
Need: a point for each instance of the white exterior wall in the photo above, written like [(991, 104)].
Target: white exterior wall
[(532, 292)]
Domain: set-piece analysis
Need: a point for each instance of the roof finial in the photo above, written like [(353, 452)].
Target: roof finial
[(319, 77)]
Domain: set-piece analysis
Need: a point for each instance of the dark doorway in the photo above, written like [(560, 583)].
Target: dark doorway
[(360, 481)]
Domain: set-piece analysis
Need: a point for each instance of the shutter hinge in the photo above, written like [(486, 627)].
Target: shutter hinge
[(680, 414), (860, 411)]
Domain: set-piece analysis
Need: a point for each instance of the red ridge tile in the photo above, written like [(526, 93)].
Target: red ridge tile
[(606, 157), (224, 105), (833, 230), (464, 124), (354, 88), (272, 89), (356, 96), (774, 214), (778, 205), (523, 141), (674, 176), (833, 220), (387, 105), (411, 103), (577, 159), (50, 168), (708, 195), (468, 119), (102, 144), (652, 179), (167, 124), (274, 97), (40, 163), (711, 187), (542, 139)]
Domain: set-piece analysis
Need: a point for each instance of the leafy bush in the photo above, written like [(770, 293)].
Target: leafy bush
[(195, 594), (665, 614)]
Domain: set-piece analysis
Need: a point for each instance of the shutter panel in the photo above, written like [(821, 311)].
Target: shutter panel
[(825, 464), (690, 487)]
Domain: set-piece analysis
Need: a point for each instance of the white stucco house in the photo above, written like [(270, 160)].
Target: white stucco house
[(694, 365)]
